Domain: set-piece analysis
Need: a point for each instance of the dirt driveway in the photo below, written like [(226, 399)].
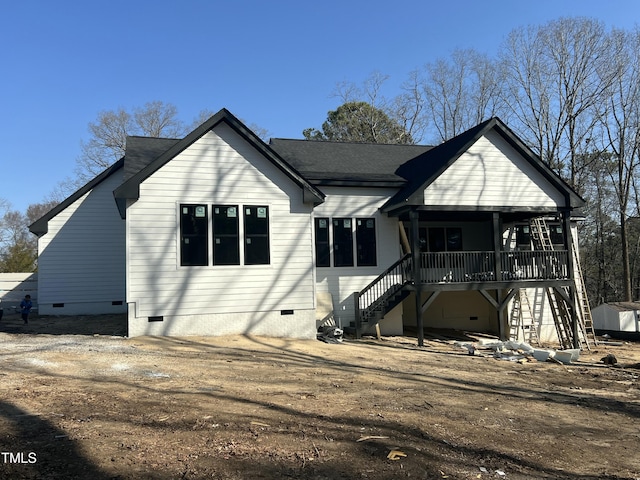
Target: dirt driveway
[(103, 406)]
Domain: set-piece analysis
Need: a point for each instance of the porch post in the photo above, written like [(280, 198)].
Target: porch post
[(568, 245), (501, 317), (497, 260), (497, 245), (417, 274)]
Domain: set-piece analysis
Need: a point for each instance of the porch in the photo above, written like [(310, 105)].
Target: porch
[(451, 271), (497, 274)]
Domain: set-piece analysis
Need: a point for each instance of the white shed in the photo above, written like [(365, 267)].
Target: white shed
[(617, 317)]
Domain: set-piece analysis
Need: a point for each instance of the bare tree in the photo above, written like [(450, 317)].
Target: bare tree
[(403, 112), (553, 80), (109, 133), (620, 123), (461, 92)]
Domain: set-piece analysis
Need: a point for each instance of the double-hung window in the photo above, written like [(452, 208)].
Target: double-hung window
[(342, 242), (226, 235), (256, 235), (337, 235), (194, 228), (323, 249), (366, 242)]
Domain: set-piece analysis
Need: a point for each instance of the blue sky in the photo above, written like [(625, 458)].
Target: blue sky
[(272, 63)]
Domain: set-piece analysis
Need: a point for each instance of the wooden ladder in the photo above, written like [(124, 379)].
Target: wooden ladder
[(521, 323), (540, 234), (561, 317), (559, 308), (586, 323)]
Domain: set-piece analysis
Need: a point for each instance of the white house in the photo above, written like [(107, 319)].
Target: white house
[(219, 233)]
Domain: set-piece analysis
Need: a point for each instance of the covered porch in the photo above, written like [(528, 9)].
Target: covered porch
[(463, 262)]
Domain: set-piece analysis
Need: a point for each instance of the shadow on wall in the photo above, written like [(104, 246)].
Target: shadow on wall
[(13, 288), (32, 447)]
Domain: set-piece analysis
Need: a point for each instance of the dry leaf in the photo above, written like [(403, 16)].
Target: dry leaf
[(396, 455)]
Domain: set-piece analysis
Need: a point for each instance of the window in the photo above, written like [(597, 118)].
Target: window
[(523, 235), (256, 235), (226, 249), (342, 242), (323, 258), (437, 241), (454, 239), (366, 242), (555, 234), (194, 227), (445, 239)]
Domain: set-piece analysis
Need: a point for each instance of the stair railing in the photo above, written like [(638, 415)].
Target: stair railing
[(374, 295)]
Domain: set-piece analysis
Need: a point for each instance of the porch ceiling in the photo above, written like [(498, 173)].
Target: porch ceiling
[(430, 213)]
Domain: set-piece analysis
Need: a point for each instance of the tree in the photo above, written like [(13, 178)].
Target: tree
[(601, 260), (109, 133), (359, 122), (18, 247), (461, 92), (405, 109), (619, 120), (107, 142), (555, 75)]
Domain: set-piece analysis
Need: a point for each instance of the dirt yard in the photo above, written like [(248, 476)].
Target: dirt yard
[(96, 405)]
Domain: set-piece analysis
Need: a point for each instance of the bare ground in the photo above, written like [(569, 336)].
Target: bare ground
[(104, 406)]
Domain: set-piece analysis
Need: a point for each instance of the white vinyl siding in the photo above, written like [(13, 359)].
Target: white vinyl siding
[(357, 203), (218, 169), (81, 259), (492, 174)]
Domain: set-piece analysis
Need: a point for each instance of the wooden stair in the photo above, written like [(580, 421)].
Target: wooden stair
[(382, 295)]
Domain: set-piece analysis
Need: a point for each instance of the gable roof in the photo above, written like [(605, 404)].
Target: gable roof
[(130, 189), (344, 163), (422, 170), (41, 226), (141, 151)]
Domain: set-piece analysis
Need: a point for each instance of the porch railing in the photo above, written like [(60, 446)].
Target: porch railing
[(455, 267), (479, 266)]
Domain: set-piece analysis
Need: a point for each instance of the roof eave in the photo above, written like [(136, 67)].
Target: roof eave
[(130, 190), (41, 226)]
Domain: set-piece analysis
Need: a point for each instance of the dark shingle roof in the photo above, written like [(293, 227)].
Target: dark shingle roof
[(316, 163), (141, 151), (422, 170), (130, 189), (324, 163)]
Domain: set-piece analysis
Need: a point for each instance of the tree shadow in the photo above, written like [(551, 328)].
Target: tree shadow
[(115, 324), (33, 447)]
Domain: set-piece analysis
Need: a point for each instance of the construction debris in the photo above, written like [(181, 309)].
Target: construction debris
[(518, 351), (330, 334)]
